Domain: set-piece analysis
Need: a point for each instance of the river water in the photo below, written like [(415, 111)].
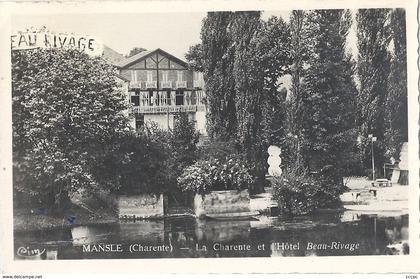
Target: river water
[(326, 234)]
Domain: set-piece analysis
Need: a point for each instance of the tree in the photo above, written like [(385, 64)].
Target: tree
[(195, 58), (373, 65), (328, 94), (248, 74), (292, 139), (66, 127), (183, 142), (135, 51), (243, 59), (396, 103), (218, 53), (273, 52)]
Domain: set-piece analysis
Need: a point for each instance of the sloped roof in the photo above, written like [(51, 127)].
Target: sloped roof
[(142, 55), (111, 56), (122, 77)]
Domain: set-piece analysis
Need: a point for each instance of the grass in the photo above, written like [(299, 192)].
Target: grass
[(27, 220)]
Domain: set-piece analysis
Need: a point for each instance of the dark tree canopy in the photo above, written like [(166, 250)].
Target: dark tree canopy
[(218, 55), (373, 67), (396, 104), (68, 113), (135, 51), (194, 57), (328, 93)]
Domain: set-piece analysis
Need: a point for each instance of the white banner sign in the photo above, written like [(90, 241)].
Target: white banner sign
[(30, 40)]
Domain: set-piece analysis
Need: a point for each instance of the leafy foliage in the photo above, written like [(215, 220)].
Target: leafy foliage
[(216, 175), (218, 150), (373, 34), (243, 58), (158, 157), (68, 116), (218, 53), (194, 57), (298, 192), (396, 131), (292, 139), (183, 146), (135, 51), (146, 169), (328, 93)]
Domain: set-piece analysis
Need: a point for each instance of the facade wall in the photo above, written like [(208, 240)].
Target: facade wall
[(161, 120), (141, 76), (150, 102), (200, 118)]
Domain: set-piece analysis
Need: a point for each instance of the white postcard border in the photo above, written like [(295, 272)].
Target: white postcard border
[(343, 264)]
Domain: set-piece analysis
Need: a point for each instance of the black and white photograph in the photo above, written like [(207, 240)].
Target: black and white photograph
[(210, 134)]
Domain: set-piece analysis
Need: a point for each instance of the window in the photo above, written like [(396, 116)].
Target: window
[(168, 97), (149, 76), (164, 75), (179, 101), (180, 75), (150, 99), (134, 76), (135, 100)]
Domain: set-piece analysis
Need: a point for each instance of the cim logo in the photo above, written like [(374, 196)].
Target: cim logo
[(28, 252)]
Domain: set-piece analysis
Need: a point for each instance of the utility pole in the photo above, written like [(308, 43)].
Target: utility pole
[(372, 139)]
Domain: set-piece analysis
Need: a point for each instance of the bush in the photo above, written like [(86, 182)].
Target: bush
[(216, 175), (157, 157), (145, 169), (65, 126), (298, 192), (218, 150)]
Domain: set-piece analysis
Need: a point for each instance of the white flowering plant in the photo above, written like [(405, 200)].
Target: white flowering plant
[(204, 176)]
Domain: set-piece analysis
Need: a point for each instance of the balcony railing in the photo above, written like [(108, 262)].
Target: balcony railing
[(165, 84), (198, 83), (151, 84), (161, 103), (168, 109), (135, 84), (181, 84)]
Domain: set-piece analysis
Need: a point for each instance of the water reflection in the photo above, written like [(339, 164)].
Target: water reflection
[(326, 234)]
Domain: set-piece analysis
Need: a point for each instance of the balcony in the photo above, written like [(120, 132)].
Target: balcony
[(165, 84), (135, 84), (181, 84), (161, 104), (167, 109), (151, 84)]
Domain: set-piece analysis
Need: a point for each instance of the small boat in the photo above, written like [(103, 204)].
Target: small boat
[(234, 216)]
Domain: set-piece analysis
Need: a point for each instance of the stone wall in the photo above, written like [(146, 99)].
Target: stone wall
[(222, 202), (140, 206)]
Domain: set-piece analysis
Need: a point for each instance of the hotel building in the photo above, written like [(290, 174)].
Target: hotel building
[(160, 86)]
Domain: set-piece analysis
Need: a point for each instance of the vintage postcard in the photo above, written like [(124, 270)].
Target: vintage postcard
[(209, 136)]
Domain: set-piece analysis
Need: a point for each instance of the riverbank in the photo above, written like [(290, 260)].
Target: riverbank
[(386, 201), (40, 219), (85, 209)]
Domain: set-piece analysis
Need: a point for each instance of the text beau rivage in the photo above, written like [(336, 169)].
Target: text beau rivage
[(30, 40)]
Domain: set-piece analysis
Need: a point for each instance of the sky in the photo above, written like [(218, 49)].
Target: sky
[(172, 32)]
